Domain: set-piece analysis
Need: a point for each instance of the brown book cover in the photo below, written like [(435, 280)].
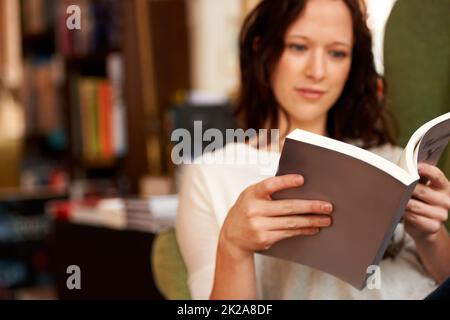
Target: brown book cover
[(369, 195)]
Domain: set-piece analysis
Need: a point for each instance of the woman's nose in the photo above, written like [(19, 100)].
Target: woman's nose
[(315, 68)]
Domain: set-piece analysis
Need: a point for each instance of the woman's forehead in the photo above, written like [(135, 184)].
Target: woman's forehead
[(324, 20)]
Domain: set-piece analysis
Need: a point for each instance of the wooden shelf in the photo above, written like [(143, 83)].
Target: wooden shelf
[(39, 43), (91, 57), (100, 162), (12, 194)]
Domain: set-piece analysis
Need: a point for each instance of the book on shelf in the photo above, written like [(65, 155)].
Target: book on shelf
[(100, 29), (369, 196), (100, 118), (115, 73), (41, 96), (39, 16)]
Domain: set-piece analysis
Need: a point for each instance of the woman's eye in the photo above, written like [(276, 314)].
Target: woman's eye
[(338, 54), (297, 47)]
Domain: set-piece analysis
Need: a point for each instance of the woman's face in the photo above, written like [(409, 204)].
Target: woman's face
[(314, 66)]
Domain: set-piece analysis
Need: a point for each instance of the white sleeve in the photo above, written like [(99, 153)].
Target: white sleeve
[(197, 231)]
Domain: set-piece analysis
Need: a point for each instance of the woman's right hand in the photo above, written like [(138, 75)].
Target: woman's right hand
[(256, 222)]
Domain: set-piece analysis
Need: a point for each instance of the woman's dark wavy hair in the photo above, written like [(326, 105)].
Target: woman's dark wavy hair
[(359, 113)]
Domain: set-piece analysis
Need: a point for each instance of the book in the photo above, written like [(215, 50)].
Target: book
[(369, 196), (154, 213), (157, 206), (96, 117)]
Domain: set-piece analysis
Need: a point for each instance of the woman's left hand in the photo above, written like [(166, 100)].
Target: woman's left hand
[(428, 209)]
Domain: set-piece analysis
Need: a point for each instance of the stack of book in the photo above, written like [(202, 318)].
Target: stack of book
[(107, 213), (153, 214)]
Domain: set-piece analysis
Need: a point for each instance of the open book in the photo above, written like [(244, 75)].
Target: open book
[(369, 195)]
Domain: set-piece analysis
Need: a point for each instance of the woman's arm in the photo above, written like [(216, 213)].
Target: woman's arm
[(197, 231), (435, 255), (424, 220), (256, 222), (235, 275)]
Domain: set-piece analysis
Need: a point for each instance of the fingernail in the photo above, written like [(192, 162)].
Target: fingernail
[(420, 168), (299, 179), (327, 207), (325, 221)]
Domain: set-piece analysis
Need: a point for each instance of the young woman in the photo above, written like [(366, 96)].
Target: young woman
[(304, 64)]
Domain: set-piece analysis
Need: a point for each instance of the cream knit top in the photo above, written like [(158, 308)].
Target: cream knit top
[(211, 186)]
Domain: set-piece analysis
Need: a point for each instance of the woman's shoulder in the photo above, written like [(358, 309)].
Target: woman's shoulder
[(235, 150), (234, 159)]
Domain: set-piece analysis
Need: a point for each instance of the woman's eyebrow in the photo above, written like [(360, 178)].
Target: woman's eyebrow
[(342, 43), (299, 36)]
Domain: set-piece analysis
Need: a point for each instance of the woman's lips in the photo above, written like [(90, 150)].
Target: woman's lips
[(310, 94)]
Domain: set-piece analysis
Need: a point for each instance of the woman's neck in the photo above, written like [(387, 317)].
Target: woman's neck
[(318, 126)]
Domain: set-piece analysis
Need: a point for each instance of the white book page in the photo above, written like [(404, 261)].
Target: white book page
[(418, 148), (371, 158), (408, 160)]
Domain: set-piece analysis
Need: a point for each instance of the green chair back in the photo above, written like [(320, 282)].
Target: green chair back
[(169, 270), (417, 65)]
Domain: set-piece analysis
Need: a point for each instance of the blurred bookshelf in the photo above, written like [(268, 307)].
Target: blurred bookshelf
[(73, 89), (96, 100), (95, 105)]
